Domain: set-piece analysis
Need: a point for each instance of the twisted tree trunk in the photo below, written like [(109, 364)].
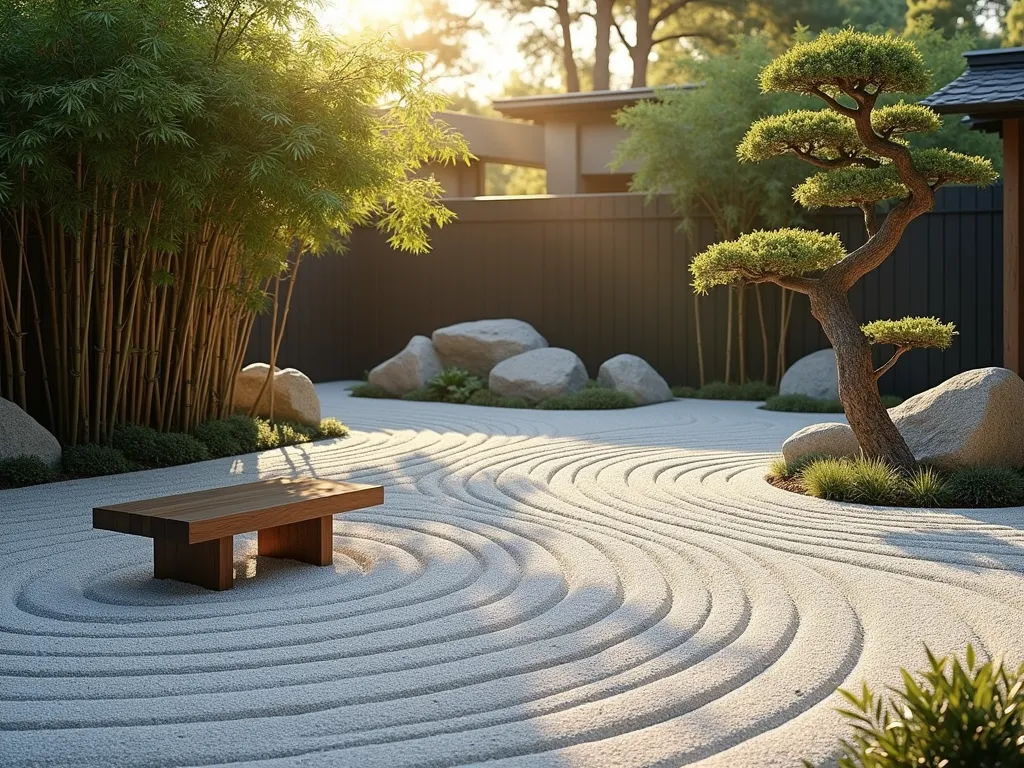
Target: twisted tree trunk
[(858, 388)]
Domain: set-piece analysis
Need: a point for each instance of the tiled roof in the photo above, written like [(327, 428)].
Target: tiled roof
[(993, 83)]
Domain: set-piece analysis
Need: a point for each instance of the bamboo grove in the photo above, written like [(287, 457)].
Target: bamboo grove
[(165, 168)]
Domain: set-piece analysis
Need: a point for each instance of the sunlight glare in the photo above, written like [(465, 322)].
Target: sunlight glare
[(363, 15)]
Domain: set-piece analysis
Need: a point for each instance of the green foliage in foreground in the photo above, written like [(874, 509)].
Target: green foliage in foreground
[(953, 713), (588, 399), (870, 481), (911, 332), (93, 460), (807, 404), (19, 471), (719, 390)]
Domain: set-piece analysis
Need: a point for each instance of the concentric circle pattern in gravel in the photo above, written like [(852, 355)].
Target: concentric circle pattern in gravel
[(541, 588)]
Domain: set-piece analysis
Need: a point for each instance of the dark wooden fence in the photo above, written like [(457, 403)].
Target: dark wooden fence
[(605, 274)]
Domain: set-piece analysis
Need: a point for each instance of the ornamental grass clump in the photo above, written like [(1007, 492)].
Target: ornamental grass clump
[(829, 478), (165, 166), (865, 158), (954, 714), (985, 487)]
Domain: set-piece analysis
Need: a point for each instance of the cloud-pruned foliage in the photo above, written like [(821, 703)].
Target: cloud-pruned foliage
[(848, 59), (753, 256)]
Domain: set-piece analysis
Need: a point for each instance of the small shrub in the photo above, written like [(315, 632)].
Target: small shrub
[(150, 448), (829, 479), (487, 398), (680, 391), (330, 427), (752, 390), (805, 404), (455, 385), (588, 399), (985, 487), (951, 714), (267, 437), (232, 436), (875, 482), (93, 460), (927, 488), (801, 404), (422, 396), (371, 390), (21, 471), (279, 434)]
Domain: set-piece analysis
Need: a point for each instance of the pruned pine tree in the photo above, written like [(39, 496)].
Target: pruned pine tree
[(865, 159)]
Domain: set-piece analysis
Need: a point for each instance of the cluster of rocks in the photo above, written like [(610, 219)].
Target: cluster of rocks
[(973, 419), (515, 360)]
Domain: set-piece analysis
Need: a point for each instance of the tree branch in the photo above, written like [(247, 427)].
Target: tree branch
[(622, 36), (793, 283), (835, 105), (673, 7), (870, 218), (677, 36), (838, 162), (920, 200), (880, 372)]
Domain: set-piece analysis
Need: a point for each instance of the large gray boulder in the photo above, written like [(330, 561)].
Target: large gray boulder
[(295, 398), (634, 376), (410, 369), (829, 439), (814, 375), (21, 435), (480, 345), (538, 374), (974, 419)]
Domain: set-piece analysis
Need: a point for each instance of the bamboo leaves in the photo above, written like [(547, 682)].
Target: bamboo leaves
[(162, 165)]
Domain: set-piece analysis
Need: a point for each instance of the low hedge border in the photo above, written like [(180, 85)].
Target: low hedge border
[(459, 387), (133, 448)]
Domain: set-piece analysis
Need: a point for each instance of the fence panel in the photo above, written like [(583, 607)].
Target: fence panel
[(605, 274)]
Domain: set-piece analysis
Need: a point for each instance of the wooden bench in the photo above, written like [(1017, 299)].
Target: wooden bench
[(193, 532)]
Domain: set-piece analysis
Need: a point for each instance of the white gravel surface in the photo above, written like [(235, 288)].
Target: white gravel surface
[(541, 588)]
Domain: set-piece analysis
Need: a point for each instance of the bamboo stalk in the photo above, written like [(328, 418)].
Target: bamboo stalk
[(741, 330), (728, 336), (764, 332)]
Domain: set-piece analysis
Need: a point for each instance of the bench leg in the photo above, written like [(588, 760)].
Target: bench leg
[(207, 564), (310, 541)]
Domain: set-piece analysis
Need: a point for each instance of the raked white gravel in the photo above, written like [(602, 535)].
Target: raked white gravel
[(540, 589)]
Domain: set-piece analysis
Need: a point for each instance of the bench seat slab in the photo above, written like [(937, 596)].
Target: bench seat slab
[(309, 541), (207, 564)]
